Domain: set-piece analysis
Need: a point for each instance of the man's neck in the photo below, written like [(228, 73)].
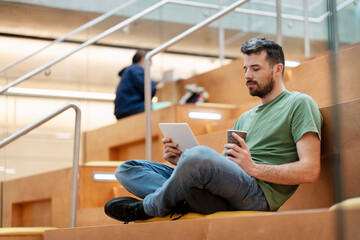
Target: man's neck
[(273, 94)]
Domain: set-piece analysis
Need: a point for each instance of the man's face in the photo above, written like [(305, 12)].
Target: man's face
[(259, 75)]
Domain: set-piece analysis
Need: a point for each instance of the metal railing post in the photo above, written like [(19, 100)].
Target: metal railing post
[(149, 55), (278, 22), (221, 38), (75, 170), (76, 155), (306, 29)]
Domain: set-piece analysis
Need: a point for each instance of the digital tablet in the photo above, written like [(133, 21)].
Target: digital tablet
[(180, 133)]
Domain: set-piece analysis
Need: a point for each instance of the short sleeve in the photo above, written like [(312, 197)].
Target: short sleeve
[(306, 117)]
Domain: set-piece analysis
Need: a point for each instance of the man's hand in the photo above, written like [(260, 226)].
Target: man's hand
[(171, 152), (240, 155), (306, 170)]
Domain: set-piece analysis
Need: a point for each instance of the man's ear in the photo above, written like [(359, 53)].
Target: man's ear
[(279, 68)]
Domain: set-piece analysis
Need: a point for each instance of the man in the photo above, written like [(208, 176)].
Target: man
[(282, 150), (130, 91)]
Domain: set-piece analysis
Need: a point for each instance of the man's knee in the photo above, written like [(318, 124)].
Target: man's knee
[(123, 169), (195, 158)]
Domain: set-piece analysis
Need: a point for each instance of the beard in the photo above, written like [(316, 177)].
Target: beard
[(263, 89)]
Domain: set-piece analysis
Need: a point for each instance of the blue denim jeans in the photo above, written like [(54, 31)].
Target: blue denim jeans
[(162, 186)]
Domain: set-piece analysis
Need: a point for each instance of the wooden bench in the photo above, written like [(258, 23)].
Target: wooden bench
[(318, 224)]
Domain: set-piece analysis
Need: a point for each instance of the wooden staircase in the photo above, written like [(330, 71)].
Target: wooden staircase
[(44, 200)]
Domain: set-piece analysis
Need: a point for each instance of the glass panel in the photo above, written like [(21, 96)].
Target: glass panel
[(349, 22), (93, 69)]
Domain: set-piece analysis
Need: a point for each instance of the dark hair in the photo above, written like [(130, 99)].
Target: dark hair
[(139, 55), (274, 52)]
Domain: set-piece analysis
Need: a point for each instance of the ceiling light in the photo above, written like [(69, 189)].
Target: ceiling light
[(291, 63), (204, 115), (10, 171), (7, 170)]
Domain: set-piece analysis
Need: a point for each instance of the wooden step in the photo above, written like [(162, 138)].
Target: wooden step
[(49, 193), (24, 233), (317, 224)]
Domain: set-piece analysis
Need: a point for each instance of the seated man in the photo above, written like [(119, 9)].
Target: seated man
[(282, 150)]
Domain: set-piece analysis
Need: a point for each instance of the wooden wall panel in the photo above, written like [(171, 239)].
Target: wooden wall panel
[(125, 139), (44, 199), (224, 85), (94, 217), (313, 77), (214, 140), (102, 144), (92, 194), (199, 126), (31, 196), (136, 150), (32, 214)]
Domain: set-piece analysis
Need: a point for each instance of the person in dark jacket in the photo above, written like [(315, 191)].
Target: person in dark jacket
[(130, 91)]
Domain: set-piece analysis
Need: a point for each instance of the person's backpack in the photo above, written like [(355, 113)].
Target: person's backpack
[(194, 94)]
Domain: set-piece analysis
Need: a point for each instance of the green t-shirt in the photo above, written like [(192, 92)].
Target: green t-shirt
[(273, 130)]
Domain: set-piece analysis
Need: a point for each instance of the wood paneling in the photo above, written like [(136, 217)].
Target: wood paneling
[(32, 214), (91, 193), (125, 139), (34, 195), (44, 199), (313, 77)]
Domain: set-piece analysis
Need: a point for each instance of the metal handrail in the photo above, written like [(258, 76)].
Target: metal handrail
[(149, 55), (85, 44), (75, 169), (79, 29)]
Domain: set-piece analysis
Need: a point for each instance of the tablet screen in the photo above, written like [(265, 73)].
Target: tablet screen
[(180, 133)]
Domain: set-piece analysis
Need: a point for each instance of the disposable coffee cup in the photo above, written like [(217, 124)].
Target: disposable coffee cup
[(231, 139)]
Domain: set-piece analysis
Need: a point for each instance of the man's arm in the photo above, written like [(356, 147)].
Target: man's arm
[(306, 170)]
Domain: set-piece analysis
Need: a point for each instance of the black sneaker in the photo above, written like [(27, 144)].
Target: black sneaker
[(181, 209), (201, 201), (126, 209)]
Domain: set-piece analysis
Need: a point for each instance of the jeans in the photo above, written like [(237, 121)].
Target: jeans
[(162, 186)]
